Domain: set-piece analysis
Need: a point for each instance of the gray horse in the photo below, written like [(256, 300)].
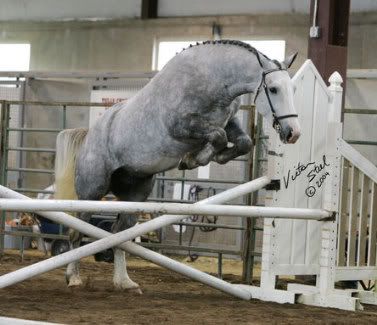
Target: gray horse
[(184, 117)]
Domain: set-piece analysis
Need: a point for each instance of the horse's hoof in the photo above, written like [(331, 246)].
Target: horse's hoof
[(74, 282), (187, 165), (219, 160), (74, 235), (129, 287), (182, 166), (136, 291)]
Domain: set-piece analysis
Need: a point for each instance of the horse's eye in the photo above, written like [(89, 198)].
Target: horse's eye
[(273, 90)]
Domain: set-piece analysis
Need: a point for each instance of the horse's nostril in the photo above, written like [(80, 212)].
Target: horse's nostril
[(289, 135)]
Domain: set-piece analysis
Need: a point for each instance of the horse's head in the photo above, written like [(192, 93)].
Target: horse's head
[(274, 100)]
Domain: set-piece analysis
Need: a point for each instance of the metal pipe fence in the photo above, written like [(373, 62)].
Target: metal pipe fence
[(361, 111)]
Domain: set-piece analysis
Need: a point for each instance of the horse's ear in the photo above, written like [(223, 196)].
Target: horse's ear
[(289, 60)]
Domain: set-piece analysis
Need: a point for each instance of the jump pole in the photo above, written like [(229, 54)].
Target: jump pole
[(166, 262), (160, 208)]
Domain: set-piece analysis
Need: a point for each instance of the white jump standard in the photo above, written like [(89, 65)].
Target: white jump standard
[(320, 171)]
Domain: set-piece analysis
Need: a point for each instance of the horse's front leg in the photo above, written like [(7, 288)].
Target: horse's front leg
[(216, 142), (240, 140), (194, 129), (91, 183)]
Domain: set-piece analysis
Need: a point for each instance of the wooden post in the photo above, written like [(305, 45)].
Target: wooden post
[(328, 48), (328, 37)]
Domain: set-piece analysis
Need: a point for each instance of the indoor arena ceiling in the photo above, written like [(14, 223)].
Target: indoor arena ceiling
[(37, 10)]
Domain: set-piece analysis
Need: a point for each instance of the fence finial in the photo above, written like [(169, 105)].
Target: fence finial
[(336, 79), (336, 90)]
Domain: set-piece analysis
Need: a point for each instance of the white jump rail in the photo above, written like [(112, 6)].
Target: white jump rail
[(162, 208), (19, 321), (90, 230), (129, 234)]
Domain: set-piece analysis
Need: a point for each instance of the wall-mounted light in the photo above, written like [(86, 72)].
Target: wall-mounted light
[(315, 31)]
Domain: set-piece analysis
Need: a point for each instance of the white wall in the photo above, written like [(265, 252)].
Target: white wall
[(168, 8), (68, 9)]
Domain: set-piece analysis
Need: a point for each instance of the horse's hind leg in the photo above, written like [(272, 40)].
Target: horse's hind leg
[(127, 188), (86, 190), (72, 274)]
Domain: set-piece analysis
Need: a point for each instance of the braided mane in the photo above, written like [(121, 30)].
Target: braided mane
[(236, 43)]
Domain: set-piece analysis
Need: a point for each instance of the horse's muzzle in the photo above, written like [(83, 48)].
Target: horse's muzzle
[(292, 136)]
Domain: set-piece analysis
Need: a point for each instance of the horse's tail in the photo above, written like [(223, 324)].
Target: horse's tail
[(68, 143)]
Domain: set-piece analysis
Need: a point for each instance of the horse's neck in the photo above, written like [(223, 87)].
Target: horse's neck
[(233, 69), (209, 74)]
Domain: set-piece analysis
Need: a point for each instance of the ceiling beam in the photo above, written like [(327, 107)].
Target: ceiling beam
[(149, 9)]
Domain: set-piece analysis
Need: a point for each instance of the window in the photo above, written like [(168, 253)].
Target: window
[(274, 49), (165, 50), (14, 57)]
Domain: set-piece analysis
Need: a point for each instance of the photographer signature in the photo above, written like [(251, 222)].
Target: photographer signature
[(311, 170)]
